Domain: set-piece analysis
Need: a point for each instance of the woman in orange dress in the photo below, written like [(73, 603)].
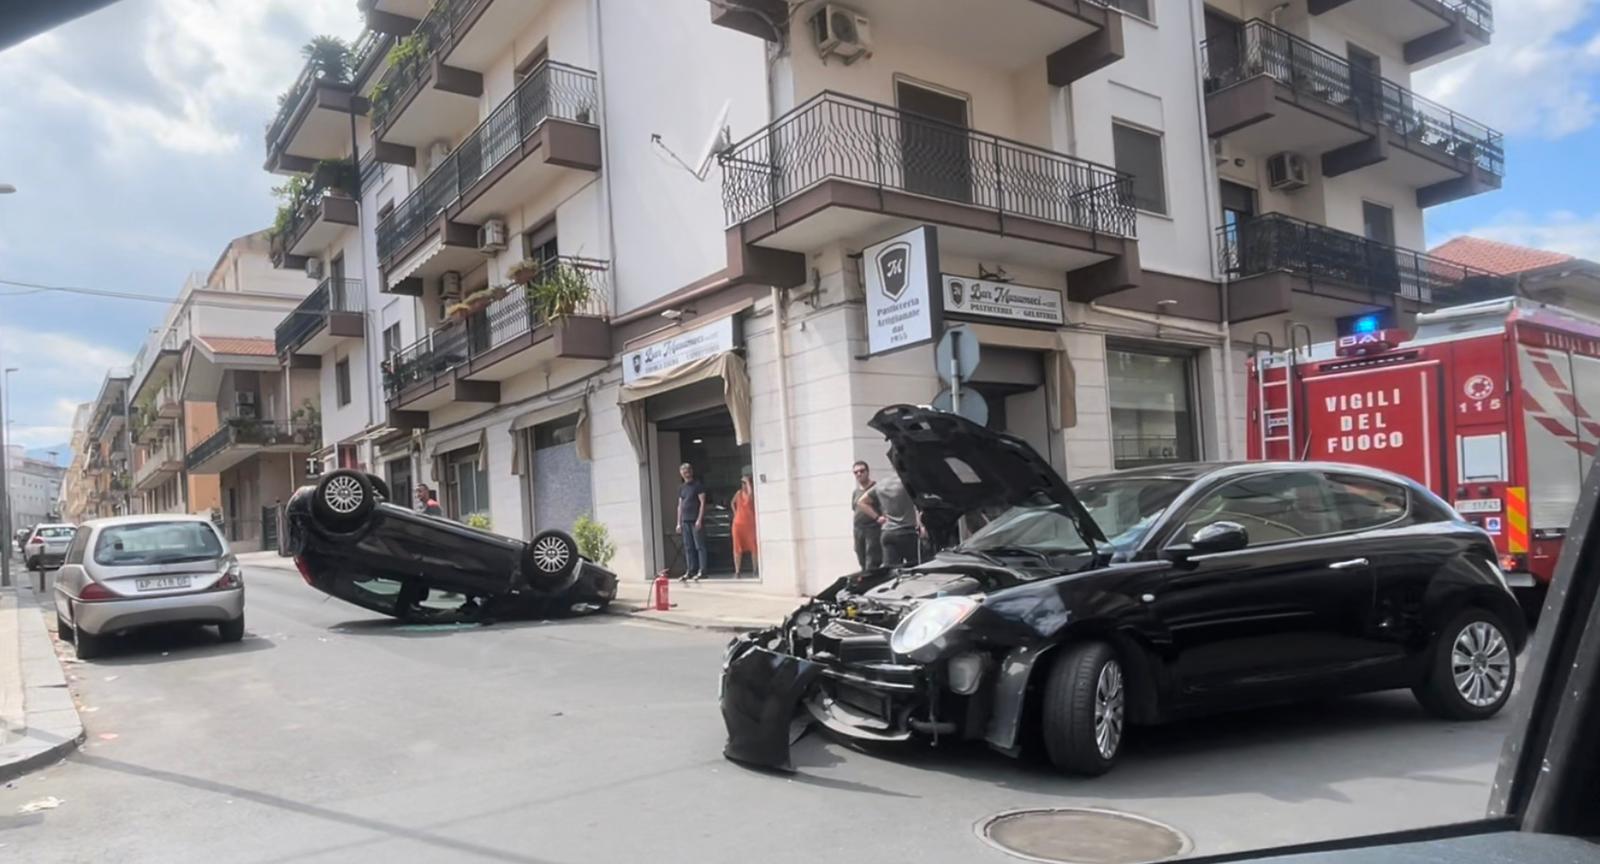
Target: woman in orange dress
[(744, 526)]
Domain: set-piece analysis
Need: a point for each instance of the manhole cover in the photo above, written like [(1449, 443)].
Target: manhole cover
[(1081, 835)]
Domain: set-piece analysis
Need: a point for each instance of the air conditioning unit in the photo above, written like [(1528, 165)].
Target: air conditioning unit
[(492, 236), (841, 32), (244, 405), (314, 268), (1286, 172), (450, 285)]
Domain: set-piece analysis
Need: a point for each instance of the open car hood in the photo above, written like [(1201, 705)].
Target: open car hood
[(953, 466)]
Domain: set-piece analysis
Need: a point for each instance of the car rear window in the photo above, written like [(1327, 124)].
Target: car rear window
[(157, 543), (56, 533)]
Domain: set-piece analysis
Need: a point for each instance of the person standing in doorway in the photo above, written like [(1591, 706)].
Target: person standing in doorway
[(691, 524), (898, 523), (744, 525), (866, 515), (427, 505)]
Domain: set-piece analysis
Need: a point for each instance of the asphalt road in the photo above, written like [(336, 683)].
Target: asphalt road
[(330, 735)]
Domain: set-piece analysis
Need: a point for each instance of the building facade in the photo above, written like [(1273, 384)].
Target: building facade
[(579, 271), (106, 448), (35, 487)]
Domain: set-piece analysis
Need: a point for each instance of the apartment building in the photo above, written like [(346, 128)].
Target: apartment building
[(106, 448), (33, 487), (598, 269), (75, 484)]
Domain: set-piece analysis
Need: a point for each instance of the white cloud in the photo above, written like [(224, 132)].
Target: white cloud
[(1536, 77), (202, 60), (1561, 231)]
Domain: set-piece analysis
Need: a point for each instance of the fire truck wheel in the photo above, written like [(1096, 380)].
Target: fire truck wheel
[(1473, 668)]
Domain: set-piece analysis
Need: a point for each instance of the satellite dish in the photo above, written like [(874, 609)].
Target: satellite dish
[(719, 141)]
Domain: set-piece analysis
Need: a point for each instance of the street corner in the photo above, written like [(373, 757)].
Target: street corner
[(43, 724)]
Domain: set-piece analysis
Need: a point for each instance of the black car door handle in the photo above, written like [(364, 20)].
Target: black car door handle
[(1346, 565)]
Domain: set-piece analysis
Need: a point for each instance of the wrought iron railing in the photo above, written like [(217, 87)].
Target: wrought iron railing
[(550, 90), (838, 137), (240, 431), (333, 177), (1479, 13), (437, 30), (1258, 48), (516, 314), (158, 457), (331, 295), (1275, 242)]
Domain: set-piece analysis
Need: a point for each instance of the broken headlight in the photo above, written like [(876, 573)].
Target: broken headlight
[(925, 627)]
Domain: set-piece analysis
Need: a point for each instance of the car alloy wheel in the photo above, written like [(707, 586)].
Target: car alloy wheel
[(550, 555), (1480, 663), (1109, 708), (343, 495)]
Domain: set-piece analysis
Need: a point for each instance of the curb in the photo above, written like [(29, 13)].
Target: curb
[(716, 625), (53, 727)]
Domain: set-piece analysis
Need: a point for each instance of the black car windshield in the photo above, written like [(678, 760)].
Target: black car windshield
[(157, 543), (1126, 507), (1040, 528)]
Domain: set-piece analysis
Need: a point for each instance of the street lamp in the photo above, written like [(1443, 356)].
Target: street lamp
[(5, 479)]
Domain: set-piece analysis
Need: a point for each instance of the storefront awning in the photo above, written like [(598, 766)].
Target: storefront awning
[(1060, 379), (735, 390), (578, 405)]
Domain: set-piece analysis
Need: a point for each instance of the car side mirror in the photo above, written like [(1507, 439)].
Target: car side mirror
[(1219, 537)]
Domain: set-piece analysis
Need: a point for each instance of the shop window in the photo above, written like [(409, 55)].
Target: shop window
[(1152, 407), (466, 485), (559, 482), (1138, 152)]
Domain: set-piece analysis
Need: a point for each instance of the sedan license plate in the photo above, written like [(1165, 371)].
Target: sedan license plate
[(160, 583)]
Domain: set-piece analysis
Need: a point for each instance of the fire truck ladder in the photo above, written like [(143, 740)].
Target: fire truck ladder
[(1261, 347)]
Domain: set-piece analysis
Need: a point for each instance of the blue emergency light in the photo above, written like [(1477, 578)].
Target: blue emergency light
[(1366, 324)]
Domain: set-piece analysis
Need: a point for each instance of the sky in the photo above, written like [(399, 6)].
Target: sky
[(134, 137)]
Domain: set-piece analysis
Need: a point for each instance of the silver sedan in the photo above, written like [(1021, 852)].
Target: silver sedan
[(135, 571)]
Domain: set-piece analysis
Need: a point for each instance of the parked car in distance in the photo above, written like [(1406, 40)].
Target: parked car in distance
[(128, 572), (1130, 598), (46, 544), (349, 542)]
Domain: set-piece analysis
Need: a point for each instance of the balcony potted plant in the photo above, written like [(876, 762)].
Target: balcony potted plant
[(329, 58), (561, 290), (525, 271)]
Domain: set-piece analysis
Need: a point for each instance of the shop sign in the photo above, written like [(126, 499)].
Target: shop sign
[(1004, 301), (693, 344), (902, 309)]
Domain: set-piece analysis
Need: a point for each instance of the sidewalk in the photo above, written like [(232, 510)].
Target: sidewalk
[(38, 721), (723, 606)]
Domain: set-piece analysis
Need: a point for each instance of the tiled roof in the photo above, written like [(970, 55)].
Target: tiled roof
[(248, 347), (1504, 259)]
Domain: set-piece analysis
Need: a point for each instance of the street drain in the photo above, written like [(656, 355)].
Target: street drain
[(1082, 835)]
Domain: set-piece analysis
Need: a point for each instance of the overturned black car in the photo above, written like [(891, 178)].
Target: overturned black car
[(350, 543), (1069, 613)]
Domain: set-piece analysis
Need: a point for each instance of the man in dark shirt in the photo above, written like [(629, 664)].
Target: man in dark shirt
[(691, 524), (898, 523), (865, 512)]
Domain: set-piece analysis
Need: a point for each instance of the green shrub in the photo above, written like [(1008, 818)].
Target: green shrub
[(594, 540), (480, 521)]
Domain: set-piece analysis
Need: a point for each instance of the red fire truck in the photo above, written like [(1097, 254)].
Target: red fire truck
[(1494, 405)]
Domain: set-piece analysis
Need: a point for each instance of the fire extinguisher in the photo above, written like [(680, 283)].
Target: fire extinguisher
[(662, 585)]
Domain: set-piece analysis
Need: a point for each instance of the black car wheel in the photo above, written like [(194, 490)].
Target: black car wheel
[(1085, 709), (231, 631), (381, 486), (88, 646), (1473, 668), (343, 499), (63, 629), (551, 556)]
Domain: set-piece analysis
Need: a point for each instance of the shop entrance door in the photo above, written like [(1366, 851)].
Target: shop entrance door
[(706, 440), (1011, 381)]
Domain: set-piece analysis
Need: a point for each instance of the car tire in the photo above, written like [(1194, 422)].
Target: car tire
[(87, 645), (1084, 714), (381, 486), (231, 631), (343, 499), (63, 629), (550, 557), (1472, 668)]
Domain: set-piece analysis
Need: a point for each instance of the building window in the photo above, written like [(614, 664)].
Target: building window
[(391, 340), (466, 484), (1152, 410), (540, 243), (341, 381), (1139, 153), (1377, 222)]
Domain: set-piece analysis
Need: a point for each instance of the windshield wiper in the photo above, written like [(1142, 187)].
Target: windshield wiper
[(995, 551)]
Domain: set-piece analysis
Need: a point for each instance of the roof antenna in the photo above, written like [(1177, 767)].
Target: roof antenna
[(718, 142)]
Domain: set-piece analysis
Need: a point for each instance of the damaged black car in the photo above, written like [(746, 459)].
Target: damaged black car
[(1062, 616), (349, 542)]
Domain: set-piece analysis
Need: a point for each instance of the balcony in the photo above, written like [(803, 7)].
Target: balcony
[(1073, 38), (394, 17), (313, 119), (1269, 91), (543, 131), (162, 461), (310, 225), (1272, 255), (238, 439), (465, 359), (840, 169), (335, 310), (1430, 30)]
